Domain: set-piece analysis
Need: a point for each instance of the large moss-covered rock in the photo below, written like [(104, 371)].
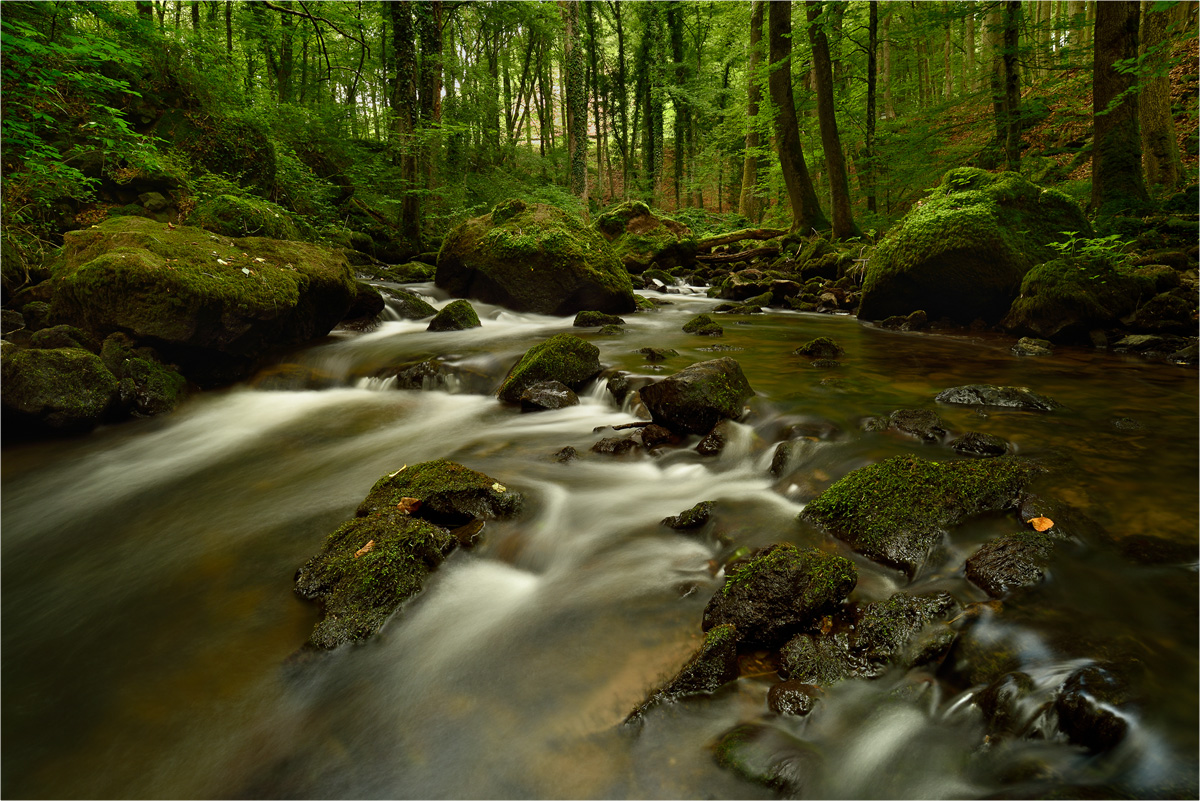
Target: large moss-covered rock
[(778, 591), (458, 315), (1064, 299), (405, 527), (640, 239), (533, 257), (696, 398), (897, 511), (67, 389), (210, 304), (962, 252), (231, 215), (563, 357)]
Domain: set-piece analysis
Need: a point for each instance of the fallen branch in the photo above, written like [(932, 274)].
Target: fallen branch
[(767, 250), (708, 243)]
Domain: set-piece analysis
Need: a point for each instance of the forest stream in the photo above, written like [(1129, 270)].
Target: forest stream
[(150, 620)]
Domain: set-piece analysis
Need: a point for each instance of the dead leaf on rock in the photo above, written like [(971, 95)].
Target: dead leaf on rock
[(370, 546), (826, 624), (409, 505), (1041, 523)]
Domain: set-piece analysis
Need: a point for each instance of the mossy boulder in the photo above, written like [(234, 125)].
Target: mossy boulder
[(536, 258), (962, 252), (778, 591), (212, 305), (458, 315), (407, 273), (703, 325), (820, 348), (696, 398), (563, 357), (147, 386), (589, 319), (1062, 300), (408, 305), (640, 239), (237, 216), (896, 512), (60, 389), (407, 525)]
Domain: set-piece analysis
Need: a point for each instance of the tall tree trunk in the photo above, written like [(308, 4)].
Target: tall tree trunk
[(994, 45), (947, 75), (1117, 183), (835, 161), (594, 80), (576, 108), (678, 103), (872, 44), (749, 205), (404, 111), (229, 29), (969, 47), (429, 43), (1160, 149), (806, 210), (1012, 88), (285, 56), (889, 108), (622, 100)]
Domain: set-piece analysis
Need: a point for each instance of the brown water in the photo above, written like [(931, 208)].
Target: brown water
[(147, 570)]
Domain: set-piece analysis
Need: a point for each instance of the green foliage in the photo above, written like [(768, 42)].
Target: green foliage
[(1111, 249)]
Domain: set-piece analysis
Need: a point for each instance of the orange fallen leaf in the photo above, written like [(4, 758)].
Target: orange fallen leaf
[(409, 505), (370, 546), (1041, 523), (826, 624)]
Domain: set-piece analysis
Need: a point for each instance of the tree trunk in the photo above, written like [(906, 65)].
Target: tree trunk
[(972, 79), (1012, 88), (576, 108), (594, 81), (1160, 149), (889, 108), (835, 161), (622, 100), (1117, 183), (678, 104), (947, 75), (749, 205), (404, 110), (806, 210), (994, 44), (872, 43), (429, 42)]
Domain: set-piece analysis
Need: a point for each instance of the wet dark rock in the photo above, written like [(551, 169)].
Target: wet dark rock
[(973, 443), (1166, 313), (713, 665), (545, 395), (697, 397), (704, 326), (793, 698), (1014, 560), (820, 348), (883, 629), (823, 660), (782, 457), (37, 315), (147, 387), (779, 590), (812, 429), (920, 423), (562, 357), (1029, 346), (1127, 424), (456, 316), (658, 354), (1005, 704), (695, 517), (616, 446), (897, 511), (770, 757), (401, 532), (721, 349), (567, 454), (436, 374), (654, 435), (592, 319), (714, 441), (915, 321), (409, 305), (991, 395), (10, 320), (1091, 703), (367, 303)]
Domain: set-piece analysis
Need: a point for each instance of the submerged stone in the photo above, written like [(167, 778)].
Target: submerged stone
[(973, 443), (897, 511), (704, 326), (1014, 560), (695, 517), (991, 395), (920, 423), (820, 348)]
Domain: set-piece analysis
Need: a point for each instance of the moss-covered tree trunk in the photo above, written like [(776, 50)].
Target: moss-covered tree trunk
[(868, 174), (806, 210), (750, 205), (835, 161), (1012, 88), (577, 135), (1160, 150), (404, 116), (622, 99), (1117, 183), (429, 36)]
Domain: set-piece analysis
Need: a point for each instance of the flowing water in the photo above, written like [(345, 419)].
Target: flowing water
[(148, 614)]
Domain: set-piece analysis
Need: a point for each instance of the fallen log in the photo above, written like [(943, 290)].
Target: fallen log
[(767, 250), (708, 243)]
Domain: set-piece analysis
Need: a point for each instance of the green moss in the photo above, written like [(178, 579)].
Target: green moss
[(408, 273), (235, 216), (820, 348), (447, 489), (703, 325), (562, 357), (63, 388), (893, 510), (456, 316), (829, 576), (588, 319)]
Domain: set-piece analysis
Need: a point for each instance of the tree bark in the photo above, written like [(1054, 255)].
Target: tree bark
[(806, 210), (835, 160), (1117, 183), (429, 42), (1160, 149), (749, 205), (576, 86), (947, 74), (404, 111), (1012, 88), (969, 47), (889, 108), (872, 43)]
